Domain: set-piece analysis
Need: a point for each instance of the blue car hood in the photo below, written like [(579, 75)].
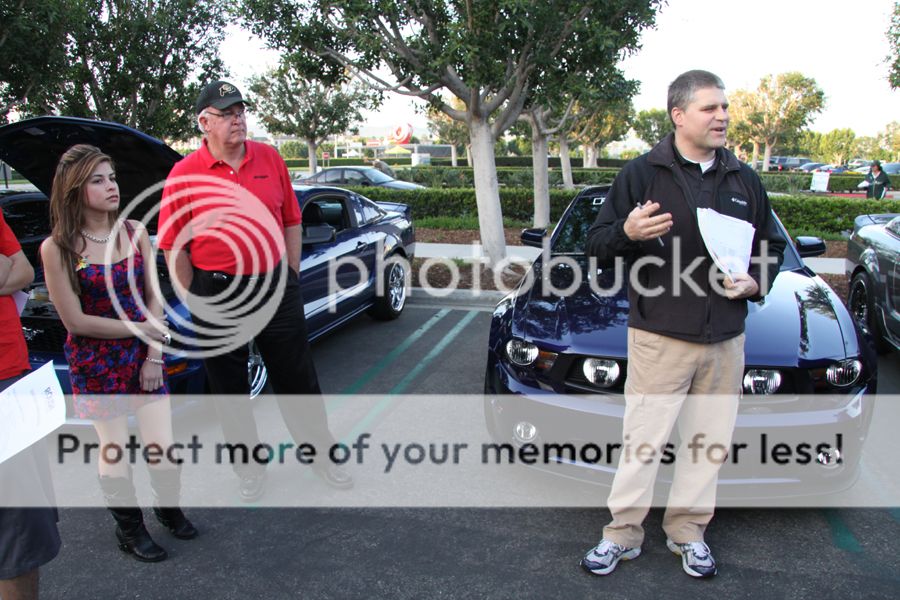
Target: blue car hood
[(800, 320)]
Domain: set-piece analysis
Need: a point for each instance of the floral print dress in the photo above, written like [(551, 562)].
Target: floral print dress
[(105, 373)]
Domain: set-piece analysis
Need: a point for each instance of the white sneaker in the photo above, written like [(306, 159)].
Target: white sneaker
[(696, 559), (603, 558)]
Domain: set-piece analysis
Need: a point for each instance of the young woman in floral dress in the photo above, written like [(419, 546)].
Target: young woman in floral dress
[(112, 370)]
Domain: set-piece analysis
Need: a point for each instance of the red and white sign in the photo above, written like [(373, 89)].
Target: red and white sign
[(326, 155), (373, 143), (401, 134)]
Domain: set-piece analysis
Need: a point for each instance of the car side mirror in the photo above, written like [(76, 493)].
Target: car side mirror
[(317, 234), (534, 236), (809, 246)]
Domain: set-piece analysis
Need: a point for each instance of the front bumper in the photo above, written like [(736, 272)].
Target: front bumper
[(811, 427)]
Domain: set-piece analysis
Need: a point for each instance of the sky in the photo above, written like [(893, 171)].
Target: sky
[(840, 44)]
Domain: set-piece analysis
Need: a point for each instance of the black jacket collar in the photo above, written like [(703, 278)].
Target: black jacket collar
[(665, 155)]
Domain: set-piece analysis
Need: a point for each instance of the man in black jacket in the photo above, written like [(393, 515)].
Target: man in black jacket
[(686, 324)]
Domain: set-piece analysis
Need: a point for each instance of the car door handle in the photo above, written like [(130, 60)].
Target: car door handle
[(360, 245)]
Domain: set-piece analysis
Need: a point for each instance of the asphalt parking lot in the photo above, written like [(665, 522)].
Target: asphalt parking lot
[(253, 552)]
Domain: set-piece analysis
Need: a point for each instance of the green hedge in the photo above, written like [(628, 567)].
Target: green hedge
[(517, 203), (801, 214), (296, 163), (525, 161), (455, 177), (795, 182)]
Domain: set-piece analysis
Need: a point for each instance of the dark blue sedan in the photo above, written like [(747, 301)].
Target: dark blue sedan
[(557, 363), (344, 234)]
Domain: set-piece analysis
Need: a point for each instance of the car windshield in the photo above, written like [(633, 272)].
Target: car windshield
[(571, 232), (377, 176)]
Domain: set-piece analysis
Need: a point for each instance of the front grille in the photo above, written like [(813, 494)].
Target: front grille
[(44, 334)]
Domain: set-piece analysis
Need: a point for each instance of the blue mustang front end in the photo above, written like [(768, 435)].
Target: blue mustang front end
[(557, 364)]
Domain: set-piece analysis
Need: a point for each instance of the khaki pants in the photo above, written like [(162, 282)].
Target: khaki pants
[(699, 386)]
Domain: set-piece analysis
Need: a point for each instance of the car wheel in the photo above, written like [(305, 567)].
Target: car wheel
[(391, 299), (861, 303), (257, 374)]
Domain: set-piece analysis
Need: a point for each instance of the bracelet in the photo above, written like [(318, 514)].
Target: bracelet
[(156, 361)]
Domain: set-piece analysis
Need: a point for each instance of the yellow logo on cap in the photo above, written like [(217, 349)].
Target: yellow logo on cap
[(226, 89)]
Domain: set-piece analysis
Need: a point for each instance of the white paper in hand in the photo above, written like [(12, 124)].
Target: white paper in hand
[(728, 240), (30, 409)]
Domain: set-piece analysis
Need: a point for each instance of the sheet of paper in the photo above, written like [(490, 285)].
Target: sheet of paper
[(30, 409), (728, 240), (20, 298)]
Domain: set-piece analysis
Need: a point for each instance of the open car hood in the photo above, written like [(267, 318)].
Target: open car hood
[(33, 147)]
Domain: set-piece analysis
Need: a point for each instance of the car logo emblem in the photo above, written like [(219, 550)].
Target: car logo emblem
[(30, 334)]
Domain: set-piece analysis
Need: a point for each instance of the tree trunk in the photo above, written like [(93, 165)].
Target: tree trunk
[(565, 163), (766, 156), (590, 156), (539, 165), (453, 154), (755, 154), (469, 155), (311, 146), (487, 191)]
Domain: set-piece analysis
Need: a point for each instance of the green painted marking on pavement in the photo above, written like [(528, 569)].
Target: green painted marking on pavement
[(398, 389), (841, 536), (390, 357), (895, 513)]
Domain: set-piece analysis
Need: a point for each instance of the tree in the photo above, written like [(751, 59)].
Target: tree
[(549, 112), (489, 55), (142, 63), (838, 145), (447, 130), (651, 126), (292, 149), (893, 58), (604, 124), (782, 105), (290, 104), (33, 44)]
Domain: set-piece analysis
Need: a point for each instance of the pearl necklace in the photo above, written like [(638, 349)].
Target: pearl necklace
[(96, 239)]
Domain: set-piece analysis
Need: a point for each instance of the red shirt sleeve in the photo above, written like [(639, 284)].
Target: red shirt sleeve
[(9, 245)]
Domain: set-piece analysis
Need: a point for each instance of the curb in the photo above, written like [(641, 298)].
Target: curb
[(482, 299)]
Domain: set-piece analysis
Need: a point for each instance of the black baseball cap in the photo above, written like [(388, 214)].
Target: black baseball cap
[(219, 95)]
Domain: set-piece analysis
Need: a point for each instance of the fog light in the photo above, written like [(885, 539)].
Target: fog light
[(762, 381), (602, 372), (521, 352), (844, 373), (525, 432), (829, 457)]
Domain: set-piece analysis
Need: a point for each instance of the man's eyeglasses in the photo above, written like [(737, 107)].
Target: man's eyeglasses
[(229, 114)]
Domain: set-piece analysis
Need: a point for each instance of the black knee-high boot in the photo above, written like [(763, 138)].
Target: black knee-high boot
[(166, 484), (130, 531)]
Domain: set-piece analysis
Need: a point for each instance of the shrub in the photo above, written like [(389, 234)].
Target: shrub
[(801, 214)]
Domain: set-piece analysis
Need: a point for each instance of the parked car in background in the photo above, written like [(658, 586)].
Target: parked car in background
[(892, 168), (356, 177), (833, 169), (809, 167), (337, 224), (873, 269), (557, 362)]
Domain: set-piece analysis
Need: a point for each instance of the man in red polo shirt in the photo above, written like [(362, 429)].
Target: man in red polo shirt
[(229, 224), (28, 535)]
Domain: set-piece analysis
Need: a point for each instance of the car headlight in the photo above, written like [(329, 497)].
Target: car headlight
[(521, 352), (844, 373), (762, 381), (602, 372)]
